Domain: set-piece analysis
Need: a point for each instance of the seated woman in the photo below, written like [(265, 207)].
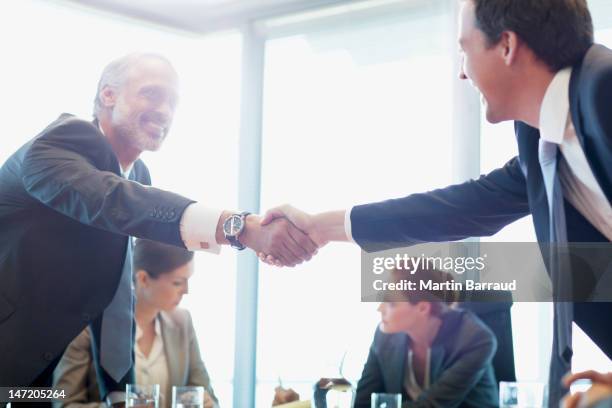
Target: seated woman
[(432, 354), (166, 349)]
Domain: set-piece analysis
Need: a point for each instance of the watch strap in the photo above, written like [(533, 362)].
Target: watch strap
[(233, 239)]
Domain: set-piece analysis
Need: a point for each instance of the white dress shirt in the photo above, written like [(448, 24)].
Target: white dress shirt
[(579, 185), (578, 182), (152, 369), (199, 228), (413, 389)]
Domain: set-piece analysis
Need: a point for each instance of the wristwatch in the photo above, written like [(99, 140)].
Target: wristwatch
[(233, 227)]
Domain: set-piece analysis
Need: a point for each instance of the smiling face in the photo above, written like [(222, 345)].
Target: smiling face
[(166, 291), (485, 65), (142, 107)]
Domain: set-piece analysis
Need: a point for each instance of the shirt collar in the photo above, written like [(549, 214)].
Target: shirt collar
[(555, 107), (157, 329), (126, 173)]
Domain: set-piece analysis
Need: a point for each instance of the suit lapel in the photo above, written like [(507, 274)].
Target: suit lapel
[(451, 321), (172, 346), (394, 363), (528, 139), (435, 363)]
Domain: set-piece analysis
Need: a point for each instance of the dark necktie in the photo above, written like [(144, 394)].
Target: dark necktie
[(560, 273), (116, 334)]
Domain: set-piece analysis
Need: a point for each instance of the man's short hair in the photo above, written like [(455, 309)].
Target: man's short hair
[(116, 72), (558, 31), (440, 300), (156, 258)]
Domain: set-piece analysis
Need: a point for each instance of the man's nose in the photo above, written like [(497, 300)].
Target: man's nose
[(165, 112)]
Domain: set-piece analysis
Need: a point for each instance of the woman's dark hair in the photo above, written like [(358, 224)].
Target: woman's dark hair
[(439, 299), (156, 258), (558, 31)]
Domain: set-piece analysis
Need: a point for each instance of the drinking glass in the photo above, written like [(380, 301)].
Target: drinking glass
[(386, 400), (187, 397), (142, 396), (522, 394)]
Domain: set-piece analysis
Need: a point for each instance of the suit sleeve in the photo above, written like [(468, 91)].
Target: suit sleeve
[(455, 382), (72, 373), (198, 375), (475, 208), (61, 171), (371, 381)]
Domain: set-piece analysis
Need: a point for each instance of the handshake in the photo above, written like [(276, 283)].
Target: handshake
[(286, 236)]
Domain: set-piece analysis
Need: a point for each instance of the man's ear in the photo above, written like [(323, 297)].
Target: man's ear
[(142, 278), (424, 307), (108, 97), (509, 44)]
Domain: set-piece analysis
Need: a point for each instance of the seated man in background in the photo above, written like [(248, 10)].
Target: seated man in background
[(166, 349), (432, 354), (599, 395)]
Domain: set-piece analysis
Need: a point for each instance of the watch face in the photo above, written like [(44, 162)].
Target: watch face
[(233, 225)]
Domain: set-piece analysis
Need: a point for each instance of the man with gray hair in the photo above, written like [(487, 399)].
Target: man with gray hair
[(71, 198)]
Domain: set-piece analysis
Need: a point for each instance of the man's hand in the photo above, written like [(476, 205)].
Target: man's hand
[(208, 401), (278, 238), (601, 389), (304, 221), (321, 228), (300, 219), (284, 396)]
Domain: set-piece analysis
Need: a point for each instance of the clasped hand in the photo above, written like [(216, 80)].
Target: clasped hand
[(285, 236)]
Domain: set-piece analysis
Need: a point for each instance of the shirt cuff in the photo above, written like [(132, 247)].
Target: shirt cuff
[(348, 228), (199, 228)]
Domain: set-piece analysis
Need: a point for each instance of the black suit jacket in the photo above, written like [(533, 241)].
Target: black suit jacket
[(461, 373), (65, 218), (484, 206)]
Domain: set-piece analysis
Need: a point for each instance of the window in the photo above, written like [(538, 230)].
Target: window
[(351, 115)]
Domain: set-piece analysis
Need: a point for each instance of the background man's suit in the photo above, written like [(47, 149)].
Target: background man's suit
[(482, 207), (65, 217)]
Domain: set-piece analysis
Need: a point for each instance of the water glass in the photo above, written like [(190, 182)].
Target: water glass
[(386, 400), (187, 397), (522, 394), (339, 397), (142, 396)]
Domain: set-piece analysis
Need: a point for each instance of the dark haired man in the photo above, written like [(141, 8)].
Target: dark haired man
[(534, 62)]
